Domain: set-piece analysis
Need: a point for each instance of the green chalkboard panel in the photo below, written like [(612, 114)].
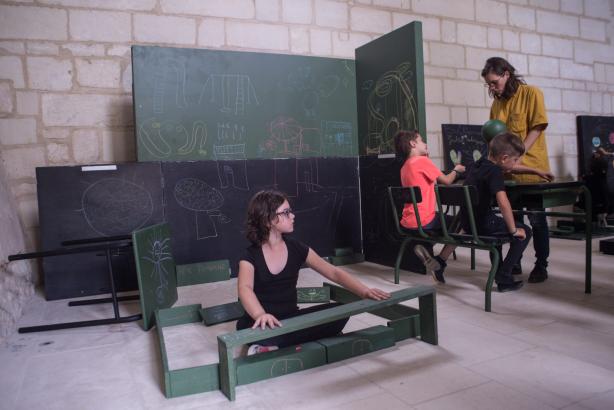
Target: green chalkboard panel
[(155, 268), (196, 104), (390, 88), (462, 144)]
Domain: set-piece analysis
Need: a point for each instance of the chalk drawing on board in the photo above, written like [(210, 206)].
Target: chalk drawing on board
[(158, 137), (159, 252), (230, 147), (337, 138), (391, 106), (312, 195), (198, 196), (177, 70), (309, 88), (230, 92), (113, 206), (288, 138)]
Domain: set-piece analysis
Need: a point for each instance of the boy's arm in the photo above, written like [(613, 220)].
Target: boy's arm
[(522, 169), (451, 177), (508, 215)]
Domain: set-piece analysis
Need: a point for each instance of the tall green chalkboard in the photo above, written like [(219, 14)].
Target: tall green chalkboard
[(390, 88), (196, 104)]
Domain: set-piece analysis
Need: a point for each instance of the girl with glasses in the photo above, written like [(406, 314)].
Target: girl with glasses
[(268, 274)]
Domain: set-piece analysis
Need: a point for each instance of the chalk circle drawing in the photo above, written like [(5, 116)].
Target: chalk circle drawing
[(177, 72), (289, 138), (472, 146), (159, 252), (162, 139), (391, 106), (285, 366), (198, 196), (113, 206), (230, 92)]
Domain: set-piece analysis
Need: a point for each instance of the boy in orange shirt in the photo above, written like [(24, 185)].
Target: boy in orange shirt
[(419, 170)]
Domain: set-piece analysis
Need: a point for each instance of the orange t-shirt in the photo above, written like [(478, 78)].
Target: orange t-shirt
[(420, 171)]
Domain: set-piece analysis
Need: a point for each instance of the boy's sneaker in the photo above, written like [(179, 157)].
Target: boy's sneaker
[(509, 287), (516, 270), (256, 349), (538, 275), (431, 263)]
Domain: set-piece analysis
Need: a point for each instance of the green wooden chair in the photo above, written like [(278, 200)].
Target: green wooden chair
[(450, 196)]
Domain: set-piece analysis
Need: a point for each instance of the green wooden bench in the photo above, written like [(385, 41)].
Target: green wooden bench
[(450, 196), (229, 367), (159, 278)]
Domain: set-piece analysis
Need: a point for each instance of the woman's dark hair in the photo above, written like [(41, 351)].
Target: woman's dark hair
[(402, 140), (499, 66), (506, 143), (262, 209)]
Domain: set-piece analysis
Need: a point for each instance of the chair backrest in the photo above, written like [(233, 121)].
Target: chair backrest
[(399, 197), (463, 196)]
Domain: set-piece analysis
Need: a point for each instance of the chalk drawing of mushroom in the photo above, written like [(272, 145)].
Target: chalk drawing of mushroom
[(198, 196)]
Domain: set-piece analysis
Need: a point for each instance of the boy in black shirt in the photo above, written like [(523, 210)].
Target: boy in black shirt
[(486, 175)]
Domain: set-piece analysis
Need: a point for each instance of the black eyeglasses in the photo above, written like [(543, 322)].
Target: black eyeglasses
[(285, 212), (493, 83)]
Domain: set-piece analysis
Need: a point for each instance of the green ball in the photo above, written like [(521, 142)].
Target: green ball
[(492, 128)]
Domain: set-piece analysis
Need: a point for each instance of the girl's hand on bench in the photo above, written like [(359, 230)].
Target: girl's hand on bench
[(266, 319), (375, 294)]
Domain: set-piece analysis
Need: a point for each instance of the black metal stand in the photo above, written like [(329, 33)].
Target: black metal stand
[(114, 298)]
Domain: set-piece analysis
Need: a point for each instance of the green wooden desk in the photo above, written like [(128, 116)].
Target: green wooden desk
[(553, 194)]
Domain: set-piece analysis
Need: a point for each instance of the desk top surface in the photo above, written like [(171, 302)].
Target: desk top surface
[(512, 185)]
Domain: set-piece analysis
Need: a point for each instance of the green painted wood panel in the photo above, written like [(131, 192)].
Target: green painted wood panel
[(195, 104)]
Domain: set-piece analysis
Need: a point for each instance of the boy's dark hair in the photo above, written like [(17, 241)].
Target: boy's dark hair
[(262, 209), (402, 140), (506, 143), (499, 66)]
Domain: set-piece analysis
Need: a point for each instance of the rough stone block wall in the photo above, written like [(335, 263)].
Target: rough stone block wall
[(65, 75)]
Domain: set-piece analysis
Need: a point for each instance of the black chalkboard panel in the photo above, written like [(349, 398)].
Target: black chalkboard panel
[(78, 202), (390, 88), (195, 104), (206, 203), (593, 132), (381, 241), (462, 144)]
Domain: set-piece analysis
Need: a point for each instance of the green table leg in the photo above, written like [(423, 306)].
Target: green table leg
[(589, 238), (428, 318), (228, 371)]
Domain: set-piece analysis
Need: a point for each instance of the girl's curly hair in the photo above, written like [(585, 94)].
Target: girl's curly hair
[(262, 209)]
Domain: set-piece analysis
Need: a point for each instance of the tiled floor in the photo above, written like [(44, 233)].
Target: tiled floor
[(546, 346)]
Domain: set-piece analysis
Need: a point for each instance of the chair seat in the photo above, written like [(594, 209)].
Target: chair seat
[(466, 238)]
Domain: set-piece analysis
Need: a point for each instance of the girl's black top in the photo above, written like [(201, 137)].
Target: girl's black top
[(277, 293)]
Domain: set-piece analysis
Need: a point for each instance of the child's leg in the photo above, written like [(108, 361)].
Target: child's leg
[(306, 335), (446, 251), (517, 247)]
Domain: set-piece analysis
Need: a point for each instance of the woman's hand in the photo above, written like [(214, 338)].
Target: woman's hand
[(266, 319), (547, 175), (375, 294)]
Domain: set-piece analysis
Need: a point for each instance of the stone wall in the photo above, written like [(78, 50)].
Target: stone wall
[(65, 75)]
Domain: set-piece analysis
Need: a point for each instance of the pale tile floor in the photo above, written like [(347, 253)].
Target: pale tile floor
[(547, 346)]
